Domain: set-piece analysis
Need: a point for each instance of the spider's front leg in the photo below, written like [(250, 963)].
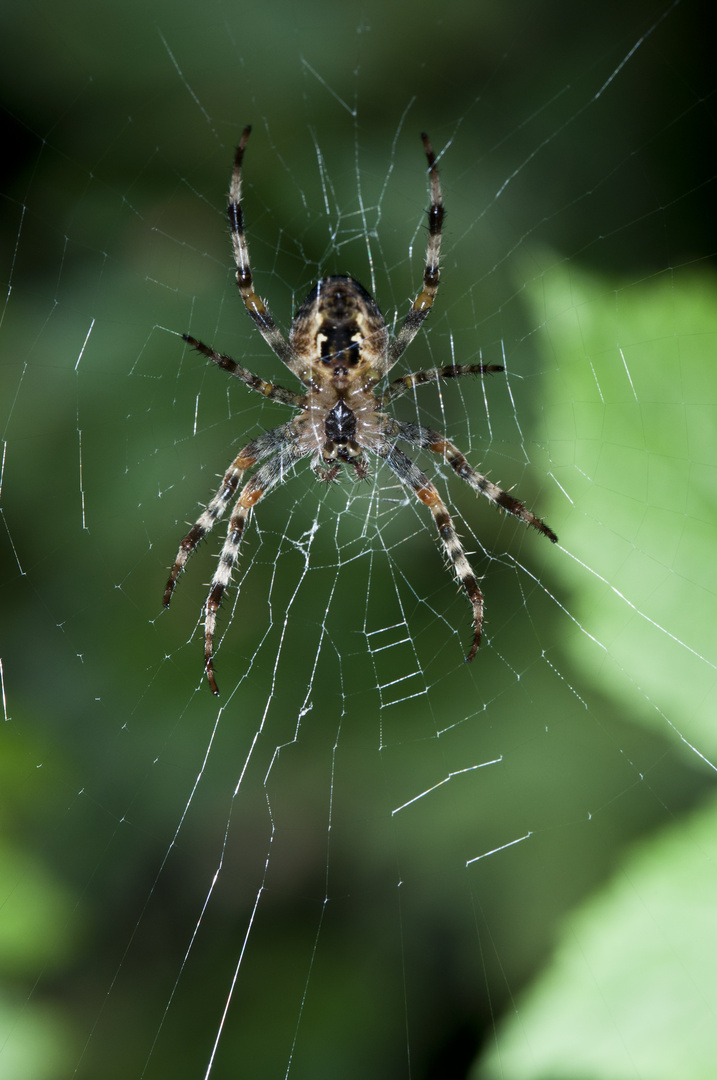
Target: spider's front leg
[(411, 475), (434, 441), (272, 472), (255, 451)]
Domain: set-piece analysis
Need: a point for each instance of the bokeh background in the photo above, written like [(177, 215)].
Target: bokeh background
[(254, 886)]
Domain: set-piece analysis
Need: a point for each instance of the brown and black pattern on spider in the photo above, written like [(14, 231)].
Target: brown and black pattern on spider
[(340, 351)]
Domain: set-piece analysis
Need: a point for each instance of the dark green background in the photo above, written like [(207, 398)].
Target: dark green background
[(370, 947)]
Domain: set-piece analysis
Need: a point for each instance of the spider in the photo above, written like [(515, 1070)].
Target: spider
[(339, 349)]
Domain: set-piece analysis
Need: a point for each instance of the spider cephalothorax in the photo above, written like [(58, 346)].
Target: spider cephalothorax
[(339, 349)]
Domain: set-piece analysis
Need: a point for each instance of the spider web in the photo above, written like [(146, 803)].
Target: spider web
[(367, 858)]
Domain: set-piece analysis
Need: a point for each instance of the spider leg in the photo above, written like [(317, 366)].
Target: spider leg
[(424, 301), (245, 282), (269, 390), (418, 378), (259, 448), (271, 472), (432, 440), (418, 482)]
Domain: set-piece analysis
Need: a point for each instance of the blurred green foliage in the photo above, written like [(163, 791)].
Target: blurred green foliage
[(576, 196)]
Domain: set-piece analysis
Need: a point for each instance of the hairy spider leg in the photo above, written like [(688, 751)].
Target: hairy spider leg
[(409, 474), (253, 452), (254, 304), (272, 472), (417, 378), (424, 301), (267, 389), (424, 437)]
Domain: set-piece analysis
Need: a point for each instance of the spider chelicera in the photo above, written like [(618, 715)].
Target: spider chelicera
[(339, 349)]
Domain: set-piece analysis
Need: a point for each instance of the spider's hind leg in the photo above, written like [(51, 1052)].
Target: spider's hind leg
[(245, 281), (424, 301)]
